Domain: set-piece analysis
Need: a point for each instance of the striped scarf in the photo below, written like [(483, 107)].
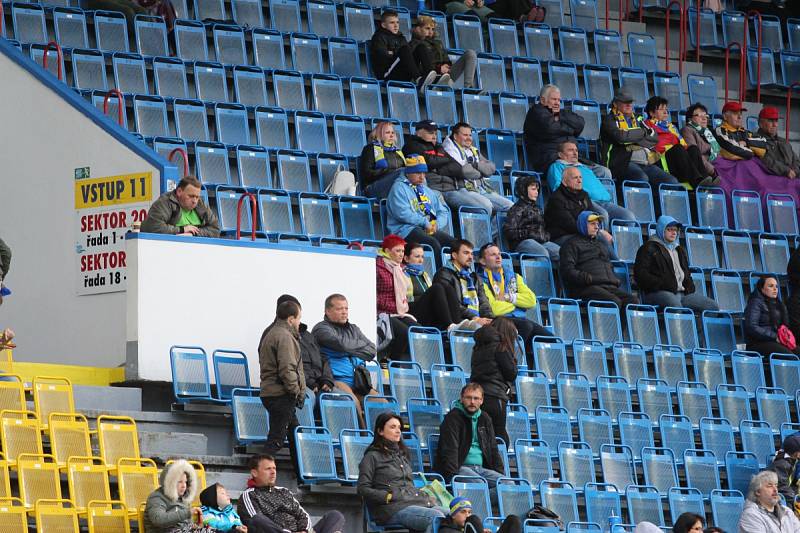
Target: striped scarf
[(416, 273), (708, 135), (378, 151), (422, 203), (469, 294)]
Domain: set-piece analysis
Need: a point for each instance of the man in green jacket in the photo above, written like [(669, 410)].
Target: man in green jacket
[(182, 212), (283, 383)]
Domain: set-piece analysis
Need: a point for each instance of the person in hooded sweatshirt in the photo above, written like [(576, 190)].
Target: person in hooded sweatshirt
[(524, 228), (785, 465), (218, 512), (386, 480), (494, 367), (662, 272), (764, 315), (467, 445), (585, 266), (169, 507)]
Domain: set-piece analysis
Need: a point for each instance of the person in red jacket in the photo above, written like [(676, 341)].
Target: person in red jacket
[(677, 157), (391, 294)]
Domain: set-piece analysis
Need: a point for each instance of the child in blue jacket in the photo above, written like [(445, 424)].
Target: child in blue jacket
[(218, 513)]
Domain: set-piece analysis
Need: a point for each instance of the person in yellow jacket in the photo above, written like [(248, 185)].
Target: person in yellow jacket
[(508, 294)]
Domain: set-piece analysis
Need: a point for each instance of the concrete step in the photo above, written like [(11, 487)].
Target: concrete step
[(170, 443), (111, 398)]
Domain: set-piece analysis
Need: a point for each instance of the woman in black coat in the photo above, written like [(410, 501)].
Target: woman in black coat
[(763, 316), (494, 366)]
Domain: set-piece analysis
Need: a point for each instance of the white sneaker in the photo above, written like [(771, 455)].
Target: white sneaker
[(444, 79), (424, 82), (473, 324), (464, 324)]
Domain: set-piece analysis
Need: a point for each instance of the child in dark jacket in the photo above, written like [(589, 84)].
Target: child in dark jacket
[(785, 464), (524, 228), (218, 512), (461, 520)]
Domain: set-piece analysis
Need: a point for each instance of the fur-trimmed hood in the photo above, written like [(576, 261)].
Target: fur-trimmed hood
[(169, 481)]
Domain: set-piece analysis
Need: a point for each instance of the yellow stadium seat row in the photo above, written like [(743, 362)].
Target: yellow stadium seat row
[(51, 394), (60, 516)]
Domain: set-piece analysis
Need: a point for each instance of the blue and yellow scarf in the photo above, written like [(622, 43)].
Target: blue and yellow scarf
[(379, 149)]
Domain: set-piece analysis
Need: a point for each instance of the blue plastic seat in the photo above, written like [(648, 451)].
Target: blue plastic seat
[(150, 114), (272, 127), (190, 40), (604, 321), (406, 382), (768, 77), (757, 438), (595, 431), (733, 28), (440, 102), (793, 34), (642, 51), (728, 291), (227, 202), (550, 356), (447, 382), (88, 70), (670, 364), (584, 14), (338, 412), (685, 500), (289, 89), (565, 320), (726, 507), (533, 458), (467, 32), (425, 416), (229, 44), (527, 76), (476, 490), (514, 496), (676, 433), (354, 442), (374, 405), (597, 83), (491, 73), (250, 419), (209, 10), (129, 73), (747, 210), (532, 388), (403, 103), (782, 214), (638, 197), (669, 85), (629, 361), (717, 436), (553, 426), (293, 171), (249, 86), (316, 215), (718, 331), (573, 45), (709, 367), (740, 467), (110, 31), (355, 218), (322, 18), (574, 392), (358, 21), (247, 13), (365, 97), (315, 454), (590, 112), (268, 49), (29, 23), (577, 463), (710, 38), (311, 131), (694, 400), (343, 57), (518, 424), (608, 48), (69, 24), (231, 124), (285, 15), (790, 66), (306, 52), (253, 167), (476, 108), (190, 376), (734, 403), (190, 120), (627, 239), (712, 210), (564, 75), (538, 42), (210, 81), (703, 89), (275, 212), (503, 37), (560, 497), (461, 343), (590, 358), (617, 463), (702, 471), (701, 245), (774, 250), (501, 148), (602, 501)]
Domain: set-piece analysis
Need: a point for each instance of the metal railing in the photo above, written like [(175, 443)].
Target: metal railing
[(681, 33), (253, 211), (728, 49), (120, 105), (59, 56)]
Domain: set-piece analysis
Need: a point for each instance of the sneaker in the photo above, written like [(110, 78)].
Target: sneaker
[(444, 79), (427, 80), (709, 181), (473, 324), (461, 325)]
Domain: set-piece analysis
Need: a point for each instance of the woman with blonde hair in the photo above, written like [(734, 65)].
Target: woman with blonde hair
[(430, 53), (381, 161)]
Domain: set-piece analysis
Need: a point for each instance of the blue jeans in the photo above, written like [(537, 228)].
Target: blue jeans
[(499, 203), (695, 301), (532, 246), (380, 188), (465, 198), (615, 212), (652, 174), (490, 476), (418, 517)]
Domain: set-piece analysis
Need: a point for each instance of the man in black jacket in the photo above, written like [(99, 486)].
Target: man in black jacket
[(467, 285), (565, 204), (445, 175), (391, 56), (547, 126), (662, 271), (784, 464), (585, 266), (467, 445)]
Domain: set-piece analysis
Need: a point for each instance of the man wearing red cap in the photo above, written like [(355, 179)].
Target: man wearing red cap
[(780, 159), (735, 142)]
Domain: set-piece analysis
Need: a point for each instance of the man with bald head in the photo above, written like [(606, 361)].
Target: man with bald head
[(564, 206)]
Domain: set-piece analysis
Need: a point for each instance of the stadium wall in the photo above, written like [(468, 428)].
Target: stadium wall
[(56, 146), (220, 294)]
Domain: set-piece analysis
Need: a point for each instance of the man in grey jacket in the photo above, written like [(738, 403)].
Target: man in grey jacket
[(182, 212), (779, 159), (763, 511), (283, 383)]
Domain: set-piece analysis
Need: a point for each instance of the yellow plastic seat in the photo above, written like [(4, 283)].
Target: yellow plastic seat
[(20, 433), (5, 479), (108, 517), (39, 478), (200, 470), (12, 392), (56, 516), (52, 394), (136, 479), (69, 437), (13, 516), (117, 438), (87, 478)]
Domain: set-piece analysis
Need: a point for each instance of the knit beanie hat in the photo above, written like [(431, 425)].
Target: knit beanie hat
[(392, 240), (209, 496), (791, 444), (415, 163), (458, 504), (647, 527)]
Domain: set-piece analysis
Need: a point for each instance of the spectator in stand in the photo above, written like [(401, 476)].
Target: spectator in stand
[(626, 143), (316, 369), (267, 508), (765, 321), (5, 266), (461, 518), (785, 464), (415, 212), (219, 514), (524, 228), (696, 133), (744, 161), (779, 158), (458, 277), (468, 7), (6, 339), (585, 266), (430, 53), (386, 482), (392, 294), (598, 194), (344, 345), (793, 304), (547, 126), (662, 272), (182, 212), (565, 204), (474, 166), (445, 174), (507, 292), (283, 383), (381, 161), (647, 527), (169, 507), (671, 151), (390, 54), (688, 523), (763, 511), (467, 444), (431, 304), (494, 368)]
